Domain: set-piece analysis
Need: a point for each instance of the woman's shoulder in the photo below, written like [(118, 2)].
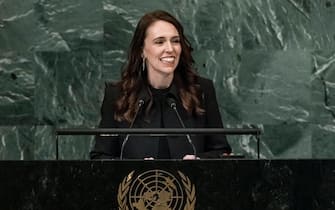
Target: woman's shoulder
[(112, 85), (112, 89), (205, 83)]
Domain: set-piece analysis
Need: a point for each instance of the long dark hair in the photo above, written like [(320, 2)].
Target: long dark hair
[(133, 79)]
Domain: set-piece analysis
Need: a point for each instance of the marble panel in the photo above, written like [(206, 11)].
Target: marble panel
[(76, 88), (70, 25), (323, 143), (322, 14), (17, 142), (16, 88), (275, 86), (20, 29), (276, 25), (323, 87)]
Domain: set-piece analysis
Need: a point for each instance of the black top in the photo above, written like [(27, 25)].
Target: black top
[(161, 115), (160, 96)]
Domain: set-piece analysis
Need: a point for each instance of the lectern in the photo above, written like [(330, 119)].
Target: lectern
[(206, 184), (237, 184)]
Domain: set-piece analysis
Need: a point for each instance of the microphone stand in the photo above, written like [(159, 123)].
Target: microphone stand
[(125, 140), (174, 107)]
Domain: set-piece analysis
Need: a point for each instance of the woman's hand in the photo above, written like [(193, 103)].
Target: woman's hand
[(190, 157), (186, 157)]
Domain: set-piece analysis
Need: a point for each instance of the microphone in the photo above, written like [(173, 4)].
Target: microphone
[(172, 103), (140, 105)]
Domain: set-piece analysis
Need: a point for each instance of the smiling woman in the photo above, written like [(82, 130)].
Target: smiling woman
[(159, 88), (161, 53)]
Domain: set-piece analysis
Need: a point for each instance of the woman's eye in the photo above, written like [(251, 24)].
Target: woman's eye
[(159, 42)]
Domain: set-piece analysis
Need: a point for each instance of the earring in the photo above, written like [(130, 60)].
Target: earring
[(143, 64)]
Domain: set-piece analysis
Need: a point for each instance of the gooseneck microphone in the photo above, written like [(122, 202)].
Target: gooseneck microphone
[(172, 103), (139, 105)]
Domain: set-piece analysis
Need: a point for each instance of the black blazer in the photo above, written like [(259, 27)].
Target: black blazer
[(139, 147)]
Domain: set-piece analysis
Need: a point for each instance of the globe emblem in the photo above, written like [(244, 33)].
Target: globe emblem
[(156, 190)]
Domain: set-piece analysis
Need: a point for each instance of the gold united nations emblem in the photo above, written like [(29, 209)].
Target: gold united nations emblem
[(156, 190)]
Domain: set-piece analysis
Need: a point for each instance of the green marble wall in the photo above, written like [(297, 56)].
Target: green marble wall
[(273, 63)]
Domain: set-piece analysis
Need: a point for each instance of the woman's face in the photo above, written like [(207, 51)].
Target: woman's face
[(161, 49)]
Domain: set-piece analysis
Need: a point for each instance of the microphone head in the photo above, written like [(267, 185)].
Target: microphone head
[(171, 102), (140, 102)]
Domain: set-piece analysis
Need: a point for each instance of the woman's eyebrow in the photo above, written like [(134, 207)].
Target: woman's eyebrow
[(163, 37)]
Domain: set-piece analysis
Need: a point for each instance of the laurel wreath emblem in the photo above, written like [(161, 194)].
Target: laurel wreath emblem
[(125, 186), (123, 190), (190, 192)]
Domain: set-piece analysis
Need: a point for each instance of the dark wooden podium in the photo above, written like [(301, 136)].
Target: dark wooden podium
[(230, 184)]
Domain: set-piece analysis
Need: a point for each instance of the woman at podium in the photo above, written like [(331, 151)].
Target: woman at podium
[(159, 88)]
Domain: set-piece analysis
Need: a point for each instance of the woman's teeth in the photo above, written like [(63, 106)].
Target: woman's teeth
[(168, 59)]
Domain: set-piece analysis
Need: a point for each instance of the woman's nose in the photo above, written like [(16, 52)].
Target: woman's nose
[(168, 47)]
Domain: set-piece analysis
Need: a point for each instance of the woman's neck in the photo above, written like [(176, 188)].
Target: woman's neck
[(160, 81)]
